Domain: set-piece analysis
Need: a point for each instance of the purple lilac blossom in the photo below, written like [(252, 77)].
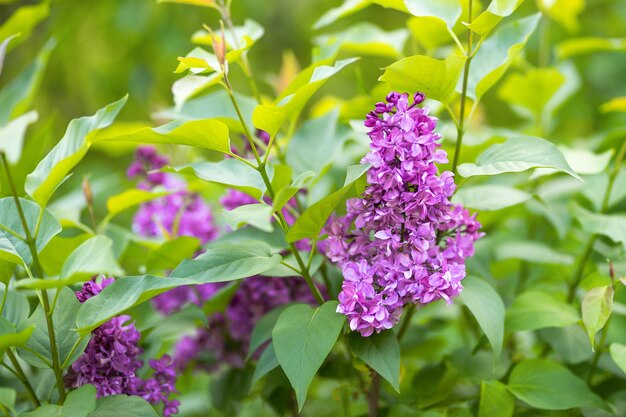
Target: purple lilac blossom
[(111, 361), (403, 241)]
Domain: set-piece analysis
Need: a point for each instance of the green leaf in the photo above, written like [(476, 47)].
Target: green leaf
[(285, 194), (131, 198), (171, 253), (16, 307), (203, 3), (582, 161), (313, 219), (348, 7), (229, 172), (497, 53), (15, 97), (617, 104), (10, 336), (207, 134), (262, 331), (564, 12), (80, 402), (489, 19), (547, 385), (6, 271), (12, 136), (220, 263), (7, 398), (435, 78), (536, 310), (270, 117), (266, 363), (618, 354), (238, 39), (488, 308), (495, 400), (315, 145), (64, 319), (530, 251), (580, 46), (489, 197), (428, 32), (517, 154), (257, 215), (381, 352), (364, 38), (23, 21), (93, 257), (14, 249), (302, 338), (533, 89), (612, 226), (597, 307), (449, 11), (51, 171), (122, 406), (53, 256)]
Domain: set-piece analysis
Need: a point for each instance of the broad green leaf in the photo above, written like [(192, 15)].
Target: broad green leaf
[(229, 172), (448, 11), (579, 46), (51, 171), (12, 136), (270, 117), (381, 352), (365, 39), (257, 215), (488, 308), (48, 410), (14, 249), (203, 3), (10, 336), (595, 188), (7, 398), (428, 32), (495, 400), (564, 12), (489, 197), (313, 219), (618, 354), (285, 194), (347, 8), (517, 154), (262, 331), (131, 198), (537, 310), (533, 89), (302, 338), (53, 256), (93, 257), (597, 307), (238, 39), (80, 402), (192, 85), (582, 161), (547, 385), (220, 263), (315, 145), (530, 251), (16, 307), (23, 21), (435, 78), (266, 363), (497, 53), (122, 406), (6, 271), (64, 319), (489, 19), (171, 253), (197, 61), (15, 97), (612, 226), (208, 134)]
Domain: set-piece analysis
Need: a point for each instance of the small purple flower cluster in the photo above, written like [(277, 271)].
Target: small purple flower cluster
[(403, 241), (111, 361)]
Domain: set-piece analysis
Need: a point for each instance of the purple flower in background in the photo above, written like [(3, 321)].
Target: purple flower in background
[(111, 361), (403, 241)]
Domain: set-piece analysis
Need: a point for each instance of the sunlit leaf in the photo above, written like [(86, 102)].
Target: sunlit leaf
[(564, 12), (579, 46), (203, 3), (448, 11), (347, 8), (597, 306), (435, 78), (131, 198), (51, 171), (618, 354), (192, 85), (12, 135), (366, 39), (496, 11), (257, 215), (93, 257), (617, 104), (495, 400), (533, 89), (23, 21), (428, 32)]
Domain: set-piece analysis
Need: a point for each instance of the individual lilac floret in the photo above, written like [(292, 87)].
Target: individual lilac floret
[(111, 361), (403, 242)]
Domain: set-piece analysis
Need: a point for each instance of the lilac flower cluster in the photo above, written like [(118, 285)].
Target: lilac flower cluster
[(111, 361), (403, 241)]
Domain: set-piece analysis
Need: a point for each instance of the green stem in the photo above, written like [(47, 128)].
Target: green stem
[(578, 276), (37, 269), (268, 184), (19, 373), (460, 131)]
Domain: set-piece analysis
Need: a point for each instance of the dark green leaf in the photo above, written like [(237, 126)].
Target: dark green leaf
[(381, 352), (488, 308), (267, 362)]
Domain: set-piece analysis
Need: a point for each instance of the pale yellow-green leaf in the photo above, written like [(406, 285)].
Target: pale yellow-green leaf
[(430, 33), (192, 85), (597, 307), (202, 3), (366, 39), (130, 198), (449, 11), (533, 89), (564, 12), (489, 19), (12, 135), (23, 21), (580, 46), (616, 104)]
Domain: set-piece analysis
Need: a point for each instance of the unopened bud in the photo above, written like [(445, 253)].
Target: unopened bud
[(419, 97), (611, 270), (87, 192)]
